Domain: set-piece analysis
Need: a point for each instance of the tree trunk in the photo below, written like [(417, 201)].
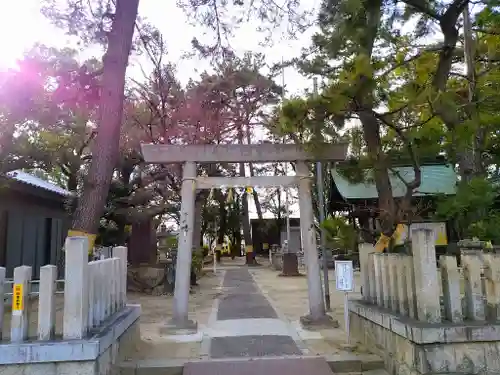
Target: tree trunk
[(371, 126), (72, 184), (245, 222), (198, 219), (258, 206), (106, 146), (222, 219), (386, 205)]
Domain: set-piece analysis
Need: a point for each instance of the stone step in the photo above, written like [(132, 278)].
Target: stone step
[(338, 363)]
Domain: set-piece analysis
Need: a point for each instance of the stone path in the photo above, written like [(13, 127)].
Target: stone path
[(246, 324)]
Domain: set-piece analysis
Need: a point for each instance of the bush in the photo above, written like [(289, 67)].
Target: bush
[(197, 261)]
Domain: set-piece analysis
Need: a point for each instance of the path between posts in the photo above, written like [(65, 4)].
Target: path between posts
[(246, 325), (246, 331), (250, 322)]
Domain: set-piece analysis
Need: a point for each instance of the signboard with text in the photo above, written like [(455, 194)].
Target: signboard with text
[(17, 299), (344, 275)]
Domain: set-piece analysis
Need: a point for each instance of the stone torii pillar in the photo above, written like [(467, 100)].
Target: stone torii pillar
[(180, 319)]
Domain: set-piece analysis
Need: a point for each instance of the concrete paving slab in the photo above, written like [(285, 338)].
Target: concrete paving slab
[(350, 364), (253, 346), (245, 305), (248, 327), (289, 366)]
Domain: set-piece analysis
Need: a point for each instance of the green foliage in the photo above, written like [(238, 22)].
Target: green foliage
[(339, 233), (197, 261), (379, 68), (473, 210)]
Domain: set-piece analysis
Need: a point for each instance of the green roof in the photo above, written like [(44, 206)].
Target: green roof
[(436, 179)]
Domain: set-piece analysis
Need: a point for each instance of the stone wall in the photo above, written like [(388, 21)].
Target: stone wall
[(96, 355), (409, 347), (425, 318)]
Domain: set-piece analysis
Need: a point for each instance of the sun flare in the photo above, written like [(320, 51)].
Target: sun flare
[(21, 26)]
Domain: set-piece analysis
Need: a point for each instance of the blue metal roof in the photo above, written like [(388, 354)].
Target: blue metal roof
[(436, 179), (38, 182)]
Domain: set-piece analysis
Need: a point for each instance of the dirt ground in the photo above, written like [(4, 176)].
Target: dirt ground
[(157, 310)]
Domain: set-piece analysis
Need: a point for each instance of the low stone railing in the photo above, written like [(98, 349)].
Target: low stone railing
[(429, 317), (93, 292), (414, 286)]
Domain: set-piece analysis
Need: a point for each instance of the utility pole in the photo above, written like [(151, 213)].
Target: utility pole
[(287, 207), (321, 209)]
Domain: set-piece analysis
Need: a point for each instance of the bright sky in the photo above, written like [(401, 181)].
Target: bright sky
[(22, 25)]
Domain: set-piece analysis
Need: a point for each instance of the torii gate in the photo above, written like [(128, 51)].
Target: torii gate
[(189, 155)]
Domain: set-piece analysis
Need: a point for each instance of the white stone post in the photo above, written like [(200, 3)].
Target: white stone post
[(492, 275), (115, 266), (47, 303), (2, 294), (308, 234), (120, 252), (372, 279), (20, 304), (402, 284), (473, 286), (450, 278), (75, 288), (92, 295), (392, 263), (107, 273), (386, 285), (101, 293), (364, 263), (183, 266), (379, 279), (426, 276), (410, 286), (110, 286)]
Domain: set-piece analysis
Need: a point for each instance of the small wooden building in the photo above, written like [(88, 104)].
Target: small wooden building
[(33, 222), (359, 200)]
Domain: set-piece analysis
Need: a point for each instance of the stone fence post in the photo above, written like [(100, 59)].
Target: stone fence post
[(120, 252), (364, 250), (426, 276), (473, 286), (372, 278), (2, 294), (410, 286), (47, 303), (492, 275), (76, 288), (20, 304), (392, 262), (451, 288), (379, 279)]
